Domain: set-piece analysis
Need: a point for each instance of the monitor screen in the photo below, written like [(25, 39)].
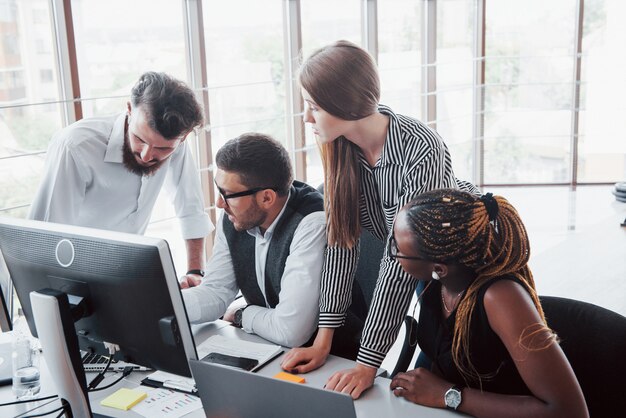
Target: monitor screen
[(128, 284), (6, 298)]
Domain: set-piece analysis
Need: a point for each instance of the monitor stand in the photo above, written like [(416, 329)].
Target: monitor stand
[(55, 329)]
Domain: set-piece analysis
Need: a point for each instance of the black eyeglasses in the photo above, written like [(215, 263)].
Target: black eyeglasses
[(392, 251), (241, 194)]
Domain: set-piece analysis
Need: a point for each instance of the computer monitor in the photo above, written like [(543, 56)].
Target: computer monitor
[(127, 282), (6, 298)]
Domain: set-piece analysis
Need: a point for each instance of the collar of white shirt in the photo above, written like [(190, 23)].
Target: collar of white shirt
[(256, 232), (114, 151)]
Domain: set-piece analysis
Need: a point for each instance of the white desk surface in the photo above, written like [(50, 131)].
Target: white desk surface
[(376, 402)]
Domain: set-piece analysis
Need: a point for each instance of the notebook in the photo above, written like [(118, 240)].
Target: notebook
[(224, 350), (229, 392)]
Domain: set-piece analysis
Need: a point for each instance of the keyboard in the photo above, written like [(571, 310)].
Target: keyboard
[(97, 363)]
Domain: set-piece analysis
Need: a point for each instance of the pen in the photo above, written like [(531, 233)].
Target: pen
[(268, 361), (178, 386)]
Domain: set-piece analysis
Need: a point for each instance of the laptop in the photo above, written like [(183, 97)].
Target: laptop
[(233, 393)]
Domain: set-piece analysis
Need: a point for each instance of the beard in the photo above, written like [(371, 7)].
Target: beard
[(251, 218), (130, 161)]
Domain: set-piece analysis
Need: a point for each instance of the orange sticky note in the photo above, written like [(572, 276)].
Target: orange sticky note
[(290, 377)]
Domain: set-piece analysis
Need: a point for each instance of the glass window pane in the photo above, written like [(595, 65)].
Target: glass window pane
[(29, 108), (320, 28), (400, 55), (455, 70), (602, 148), (528, 93), (245, 61), (116, 42)]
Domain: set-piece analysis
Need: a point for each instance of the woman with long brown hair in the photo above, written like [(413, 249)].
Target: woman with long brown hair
[(375, 161), (481, 322)]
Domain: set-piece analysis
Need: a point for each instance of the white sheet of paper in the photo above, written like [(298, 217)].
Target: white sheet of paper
[(166, 403)]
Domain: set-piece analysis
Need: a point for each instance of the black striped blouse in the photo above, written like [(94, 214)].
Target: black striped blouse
[(414, 160)]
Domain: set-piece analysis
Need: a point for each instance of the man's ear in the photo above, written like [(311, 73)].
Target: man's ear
[(267, 198), (128, 107)]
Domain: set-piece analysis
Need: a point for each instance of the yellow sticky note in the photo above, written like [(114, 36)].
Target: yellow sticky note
[(124, 399), (289, 377)]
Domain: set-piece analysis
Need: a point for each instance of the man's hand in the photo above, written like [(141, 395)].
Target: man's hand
[(190, 280), (230, 314), (352, 381), (420, 386)]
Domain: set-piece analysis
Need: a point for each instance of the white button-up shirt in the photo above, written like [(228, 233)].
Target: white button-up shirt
[(292, 322), (85, 183)]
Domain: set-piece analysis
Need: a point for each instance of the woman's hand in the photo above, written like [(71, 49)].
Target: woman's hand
[(352, 381), (421, 386), (303, 360)]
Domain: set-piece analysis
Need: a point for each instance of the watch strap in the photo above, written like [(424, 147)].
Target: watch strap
[(196, 271), (238, 320)]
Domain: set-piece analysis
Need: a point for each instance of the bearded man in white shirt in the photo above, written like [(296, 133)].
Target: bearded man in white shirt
[(270, 242), (107, 172)]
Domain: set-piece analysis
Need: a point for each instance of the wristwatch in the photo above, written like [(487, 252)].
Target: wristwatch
[(238, 321), (452, 398), (196, 271)]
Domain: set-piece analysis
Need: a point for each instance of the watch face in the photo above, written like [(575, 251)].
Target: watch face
[(453, 398), (238, 317)]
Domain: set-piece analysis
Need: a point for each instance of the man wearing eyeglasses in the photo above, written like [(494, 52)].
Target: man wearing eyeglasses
[(269, 243), (107, 172)]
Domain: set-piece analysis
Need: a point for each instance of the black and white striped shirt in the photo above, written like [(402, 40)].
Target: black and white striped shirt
[(414, 160)]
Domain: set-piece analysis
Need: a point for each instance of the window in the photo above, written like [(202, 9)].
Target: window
[(400, 55), (602, 148), (528, 91), (26, 124), (455, 84), (115, 43), (46, 75), (320, 28)]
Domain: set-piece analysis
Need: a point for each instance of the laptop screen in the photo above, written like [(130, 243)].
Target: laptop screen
[(233, 393)]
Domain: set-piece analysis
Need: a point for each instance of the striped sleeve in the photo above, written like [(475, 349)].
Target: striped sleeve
[(390, 303), (431, 169), (336, 289)]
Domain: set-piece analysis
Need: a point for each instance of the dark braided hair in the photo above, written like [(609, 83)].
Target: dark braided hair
[(484, 234)]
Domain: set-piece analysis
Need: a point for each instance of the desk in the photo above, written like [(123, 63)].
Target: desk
[(377, 402)]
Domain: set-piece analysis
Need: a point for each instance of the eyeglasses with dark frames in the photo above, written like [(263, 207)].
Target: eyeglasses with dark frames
[(392, 251), (241, 194)]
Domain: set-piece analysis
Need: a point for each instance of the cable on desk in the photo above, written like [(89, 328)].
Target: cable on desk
[(43, 414), (96, 380), (29, 400), (127, 370)]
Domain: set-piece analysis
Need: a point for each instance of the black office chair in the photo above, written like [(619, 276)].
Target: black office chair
[(347, 338), (594, 341)]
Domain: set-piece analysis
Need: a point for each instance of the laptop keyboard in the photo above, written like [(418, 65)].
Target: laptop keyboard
[(97, 363)]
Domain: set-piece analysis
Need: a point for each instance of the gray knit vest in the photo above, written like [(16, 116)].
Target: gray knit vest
[(303, 201)]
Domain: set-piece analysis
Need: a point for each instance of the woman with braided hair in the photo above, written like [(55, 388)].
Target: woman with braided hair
[(481, 321)]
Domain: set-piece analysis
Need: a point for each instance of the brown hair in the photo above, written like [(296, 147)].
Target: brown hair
[(170, 105), (484, 234), (342, 79), (259, 160)]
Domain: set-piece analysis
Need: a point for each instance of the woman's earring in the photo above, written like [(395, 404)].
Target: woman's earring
[(435, 275)]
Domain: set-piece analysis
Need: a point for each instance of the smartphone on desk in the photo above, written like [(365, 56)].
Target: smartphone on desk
[(232, 361)]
